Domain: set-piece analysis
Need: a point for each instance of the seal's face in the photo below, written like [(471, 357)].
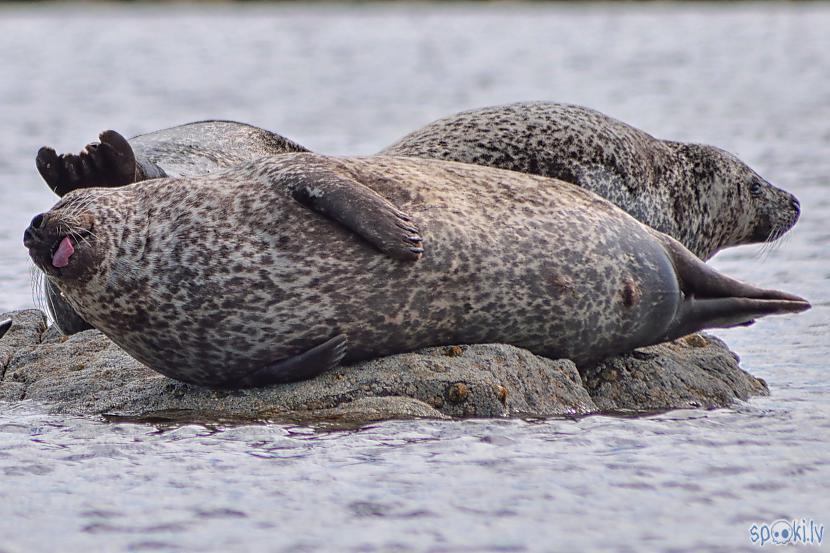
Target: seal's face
[(777, 210), (766, 212), (749, 210), (63, 241)]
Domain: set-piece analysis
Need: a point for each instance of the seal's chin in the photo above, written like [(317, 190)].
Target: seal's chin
[(62, 252)]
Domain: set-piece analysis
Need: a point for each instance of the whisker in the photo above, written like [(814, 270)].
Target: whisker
[(38, 279), (772, 242)]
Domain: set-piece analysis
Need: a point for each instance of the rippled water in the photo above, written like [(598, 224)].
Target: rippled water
[(752, 78)]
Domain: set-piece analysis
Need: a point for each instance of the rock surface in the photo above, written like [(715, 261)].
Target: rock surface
[(88, 374)]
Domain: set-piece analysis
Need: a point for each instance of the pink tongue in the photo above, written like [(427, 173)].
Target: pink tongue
[(64, 252)]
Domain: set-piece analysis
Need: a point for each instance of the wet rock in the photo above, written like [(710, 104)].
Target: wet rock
[(88, 374), (26, 331)]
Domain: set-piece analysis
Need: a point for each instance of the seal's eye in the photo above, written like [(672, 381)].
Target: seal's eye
[(755, 188)]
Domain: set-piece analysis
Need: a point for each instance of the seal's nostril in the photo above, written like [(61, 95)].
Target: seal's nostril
[(37, 221), (796, 204), (28, 237)]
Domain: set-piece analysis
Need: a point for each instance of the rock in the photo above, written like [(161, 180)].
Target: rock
[(696, 371), (88, 374), (26, 331)]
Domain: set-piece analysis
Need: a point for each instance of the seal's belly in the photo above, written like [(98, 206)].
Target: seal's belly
[(560, 285)]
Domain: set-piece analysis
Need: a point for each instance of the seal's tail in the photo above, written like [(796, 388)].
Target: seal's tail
[(714, 300)]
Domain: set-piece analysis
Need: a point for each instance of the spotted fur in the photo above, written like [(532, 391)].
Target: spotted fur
[(702, 196), (209, 278), (204, 147)]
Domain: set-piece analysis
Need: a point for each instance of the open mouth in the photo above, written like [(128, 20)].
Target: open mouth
[(54, 247), (61, 252)]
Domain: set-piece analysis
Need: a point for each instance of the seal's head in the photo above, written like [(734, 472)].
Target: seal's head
[(746, 208), (65, 241)]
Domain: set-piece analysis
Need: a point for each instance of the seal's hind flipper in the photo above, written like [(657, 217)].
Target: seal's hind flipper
[(5, 326), (714, 300), (361, 210), (309, 364), (109, 163), (696, 314)]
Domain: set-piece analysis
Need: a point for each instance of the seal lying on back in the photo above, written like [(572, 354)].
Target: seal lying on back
[(702, 196), (262, 273)]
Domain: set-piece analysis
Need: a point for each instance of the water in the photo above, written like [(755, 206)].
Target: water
[(751, 78)]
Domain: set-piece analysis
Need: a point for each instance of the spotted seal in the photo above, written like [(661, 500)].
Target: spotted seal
[(701, 195), (262, 273)]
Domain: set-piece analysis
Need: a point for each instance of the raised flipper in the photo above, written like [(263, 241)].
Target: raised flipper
[(309, 364), (361, 210), (66, 318), (5, 326), (108, 163), (714, 300)]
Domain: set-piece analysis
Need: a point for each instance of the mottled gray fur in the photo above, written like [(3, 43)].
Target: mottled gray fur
[(204, 147), (208, 279), (702, 196)]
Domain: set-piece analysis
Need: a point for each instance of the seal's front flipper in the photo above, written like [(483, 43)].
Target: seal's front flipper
[(66, 318), (361, 210), (5, 326), (108, 163), (309, 364)]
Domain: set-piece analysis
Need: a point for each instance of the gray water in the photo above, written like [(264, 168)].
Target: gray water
[(752, 78)]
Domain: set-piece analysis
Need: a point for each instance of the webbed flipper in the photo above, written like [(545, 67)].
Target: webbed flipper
[(66, 318), (304, 366), (714, 300), (5, 326), (108, 163), (361, 210)]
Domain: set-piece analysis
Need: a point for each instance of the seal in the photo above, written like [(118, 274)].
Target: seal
[(262, 273), (5, 325), (701, 195)]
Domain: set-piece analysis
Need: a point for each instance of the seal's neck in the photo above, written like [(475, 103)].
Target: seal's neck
[(696, 205)]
